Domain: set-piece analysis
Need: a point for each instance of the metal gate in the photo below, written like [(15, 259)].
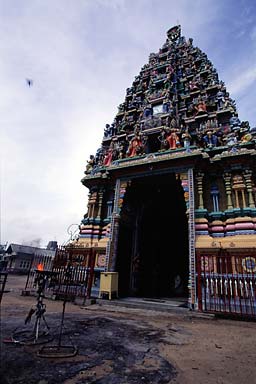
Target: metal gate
[(81, 262), (226, 281), (81, 266)]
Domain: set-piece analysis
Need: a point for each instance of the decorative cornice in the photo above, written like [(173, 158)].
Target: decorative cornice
[(145, 159), (238, 153)]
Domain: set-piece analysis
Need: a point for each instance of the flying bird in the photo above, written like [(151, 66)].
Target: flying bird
[(29, 82)]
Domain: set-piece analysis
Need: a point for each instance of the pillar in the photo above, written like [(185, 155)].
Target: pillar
[(248, 183), (199, 181), (227, 181), (191, 227), (114, 229), (120, 191), (100, 200)]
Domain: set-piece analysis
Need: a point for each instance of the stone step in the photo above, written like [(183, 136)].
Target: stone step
[(151, 304)]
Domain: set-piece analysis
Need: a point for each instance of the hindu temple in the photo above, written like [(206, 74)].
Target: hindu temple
[(172, 187)]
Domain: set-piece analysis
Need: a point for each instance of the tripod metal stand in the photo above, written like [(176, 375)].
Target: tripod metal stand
[(37, 335), (61, 350)]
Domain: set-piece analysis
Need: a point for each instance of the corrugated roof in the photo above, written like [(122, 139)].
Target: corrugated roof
[(18, 248), (44, 252), (27, 249)]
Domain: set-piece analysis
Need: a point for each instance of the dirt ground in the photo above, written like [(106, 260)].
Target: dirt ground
[(118, 345)]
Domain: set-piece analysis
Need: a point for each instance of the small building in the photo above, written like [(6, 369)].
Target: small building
[(20, 258)]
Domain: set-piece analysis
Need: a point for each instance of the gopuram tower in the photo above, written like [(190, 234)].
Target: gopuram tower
[(172, 188)]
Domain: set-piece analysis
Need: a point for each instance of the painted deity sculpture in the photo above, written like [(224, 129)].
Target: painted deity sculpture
[(200, 108), (173, 139), (135, 147), (111, 154), (90, 164), (186, 138), (163, 142), (210, 139), (108, 157)]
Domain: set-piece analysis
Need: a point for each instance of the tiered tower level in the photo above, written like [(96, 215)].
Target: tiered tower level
[(177, 101), (177, 117)]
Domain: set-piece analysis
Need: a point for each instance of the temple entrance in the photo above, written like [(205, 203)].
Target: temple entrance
[(153, 256)]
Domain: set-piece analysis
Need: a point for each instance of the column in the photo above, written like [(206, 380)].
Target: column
[(236, 199), (199, 182), (109, 208), (243, 198), (191, 227), (100, 200), (89, 205), (118, 203), (248, 182), (112, 243), (93, 202), (227, 181)]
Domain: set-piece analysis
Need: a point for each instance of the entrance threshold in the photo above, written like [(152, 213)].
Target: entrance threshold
[(174, 301), (161, 304)]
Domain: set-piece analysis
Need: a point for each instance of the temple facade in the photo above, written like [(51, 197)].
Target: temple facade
[(172, 188)]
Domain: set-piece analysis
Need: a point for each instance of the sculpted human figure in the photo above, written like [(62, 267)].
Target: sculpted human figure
[(193, 85), (202, 127), (90, 164), (109, 155), (246, 138), (210, 139), (107, 131), (166, 105), (186, 138), (147, 111), (173, 139), (135, 147), (234, 122), (220, 98), (125, 125), (163, 141), (99, 157), (168, 81), (231, 141), (200, 107), (113, 129), (173, 122), (122, 148)]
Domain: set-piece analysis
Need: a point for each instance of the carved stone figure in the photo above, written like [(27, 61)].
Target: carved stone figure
[(173, 139), (135, 146), (90, 164), (210, 140)]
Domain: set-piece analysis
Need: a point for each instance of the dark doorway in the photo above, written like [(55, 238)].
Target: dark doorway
[(152, 257)]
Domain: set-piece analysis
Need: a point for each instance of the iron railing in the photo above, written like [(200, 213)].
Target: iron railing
[(3, 280), (226, 282), (81, 269)]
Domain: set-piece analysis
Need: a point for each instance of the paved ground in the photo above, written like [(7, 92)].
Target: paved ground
[(124, 346)]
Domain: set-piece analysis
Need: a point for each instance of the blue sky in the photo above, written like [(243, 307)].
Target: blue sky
[(82, 55)]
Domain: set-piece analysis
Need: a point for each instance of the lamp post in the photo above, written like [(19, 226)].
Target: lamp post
[(72, 231)]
